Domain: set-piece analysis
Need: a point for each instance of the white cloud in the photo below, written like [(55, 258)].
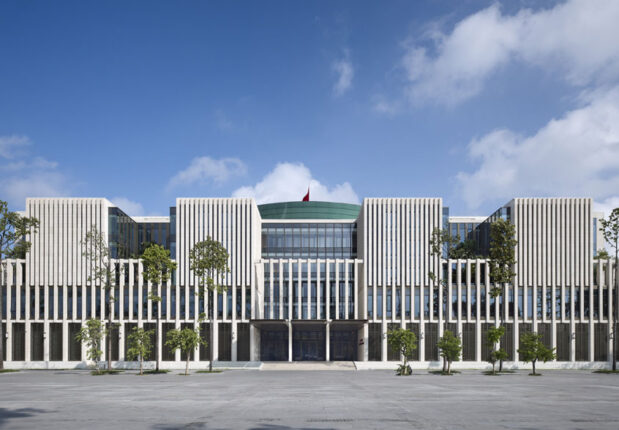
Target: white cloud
[(24, 177), (289, 182), (11, 146), (202, 169), (129, 207), (43, 183), (607, 205), (222, 122), (387, 107), (345, 72), (576, 155), (576, 39)]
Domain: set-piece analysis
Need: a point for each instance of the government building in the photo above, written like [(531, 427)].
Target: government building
[(312, 281)]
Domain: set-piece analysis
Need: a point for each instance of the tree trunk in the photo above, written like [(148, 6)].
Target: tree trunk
[(109, 344), (157, 342), (502, 311), (141, 364), (187, 365), (449, 367), (211, 336), (533, 363)]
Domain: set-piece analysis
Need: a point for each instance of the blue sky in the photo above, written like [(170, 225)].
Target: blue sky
[(473, 101)]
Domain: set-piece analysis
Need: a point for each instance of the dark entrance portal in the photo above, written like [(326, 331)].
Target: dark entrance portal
[(343, 345), (274, 344), (308, 343)]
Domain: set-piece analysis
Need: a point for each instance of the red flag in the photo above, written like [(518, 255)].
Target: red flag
[(306, 198)]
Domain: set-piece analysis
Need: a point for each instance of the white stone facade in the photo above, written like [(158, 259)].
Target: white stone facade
[(321, 307)]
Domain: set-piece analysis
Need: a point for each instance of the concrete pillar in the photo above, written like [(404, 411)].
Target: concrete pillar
[(363, 349), (8, 333), (159, 338), (215, 346), (234, 346), (383, 339), (516, 336), (196, 352), (572, 338), (327, 342), (478, 339), (177, 326), (516, 320), (289, 341), (65, 340), (591, 333), (46, 338), (254, 343), (422, 342)]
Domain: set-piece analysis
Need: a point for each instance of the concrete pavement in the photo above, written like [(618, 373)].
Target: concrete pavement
[(308, 400)]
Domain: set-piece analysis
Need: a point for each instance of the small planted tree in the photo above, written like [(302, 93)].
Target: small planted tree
[(404, 342), (140, 345), (13, 230), (451, 347), (96, 251), (209, 262), (610, 230), (187, 340), (497, 354), (92, 335), (441, 243), (502, 261), (158, 267), (533, 349)]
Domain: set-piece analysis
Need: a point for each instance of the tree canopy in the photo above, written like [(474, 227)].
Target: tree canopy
[(158, 265), (533, 349), (502, 252), (451, 347), (404, 342), (14, 229), (186, 340), (140, 345)]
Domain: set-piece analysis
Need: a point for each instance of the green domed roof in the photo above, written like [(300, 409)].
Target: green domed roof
[(309, 210)]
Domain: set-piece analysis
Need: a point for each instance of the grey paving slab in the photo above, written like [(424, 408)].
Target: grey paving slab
[(286, 400)]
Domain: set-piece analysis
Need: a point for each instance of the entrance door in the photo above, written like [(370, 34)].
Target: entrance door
[(343, 345), (274, 345), (308, 343)]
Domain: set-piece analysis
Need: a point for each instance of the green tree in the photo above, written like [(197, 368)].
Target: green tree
[(404, 342), (451, 347), (494, 336), (158, 267), (610, 230), (602, 254), (92, 335), (502, 262), (466, 250), (106, 274), (187, 340), (209, 262), (532, 349), (14, 229), (140, 345), (441, 244)]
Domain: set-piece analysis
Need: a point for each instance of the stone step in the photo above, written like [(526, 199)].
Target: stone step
[(308, 365)]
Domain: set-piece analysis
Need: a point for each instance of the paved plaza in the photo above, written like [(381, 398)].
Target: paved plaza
[(289, 399)]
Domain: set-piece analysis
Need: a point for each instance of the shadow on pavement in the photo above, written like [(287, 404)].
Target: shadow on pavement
[(203, 425), (9, 414)]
